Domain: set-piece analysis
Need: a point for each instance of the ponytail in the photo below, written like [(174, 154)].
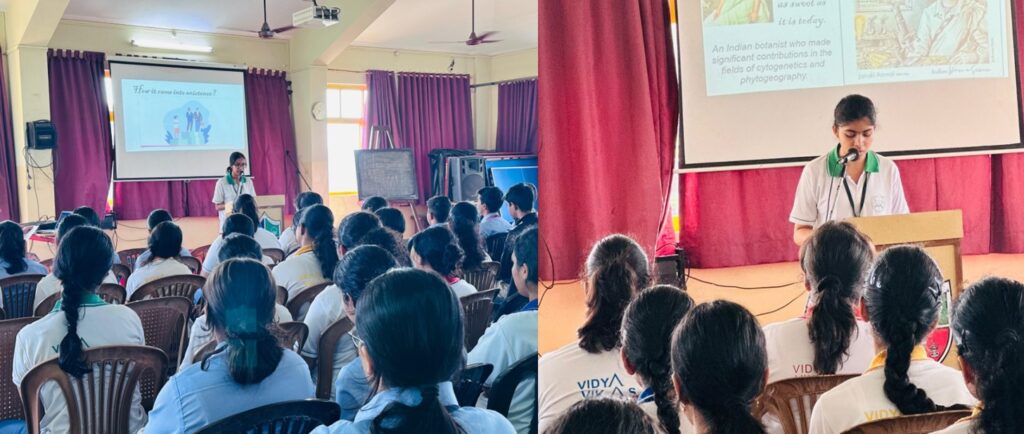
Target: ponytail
[(464, 218), (732, 417), (429, 416), (831, 327), (12, 247), (438, 248), (326, 251), (318, 222), (83, 259), (252, 356), (71, 356), (616, 270)]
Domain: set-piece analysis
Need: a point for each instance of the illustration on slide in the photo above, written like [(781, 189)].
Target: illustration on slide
[(733, 12), (196, 121), (907, 33)]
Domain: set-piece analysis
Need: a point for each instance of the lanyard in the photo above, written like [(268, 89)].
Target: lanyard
[(863, 194)]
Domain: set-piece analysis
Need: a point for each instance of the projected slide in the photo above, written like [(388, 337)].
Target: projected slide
[(770, 45), (171, 115)]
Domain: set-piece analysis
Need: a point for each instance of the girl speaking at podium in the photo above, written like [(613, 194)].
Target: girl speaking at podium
[(233, 184), (851, 180)]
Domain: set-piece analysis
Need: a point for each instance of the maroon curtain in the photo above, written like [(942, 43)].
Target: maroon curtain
[(381, 105), (436, 112), (517, 116), (607, 129), (9, 182), (78, 109), (271, 134)]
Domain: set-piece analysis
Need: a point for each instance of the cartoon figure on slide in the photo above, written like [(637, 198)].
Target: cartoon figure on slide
[(195, 133), (733, 12)]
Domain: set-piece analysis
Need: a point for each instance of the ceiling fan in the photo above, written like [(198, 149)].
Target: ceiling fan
[(265, 32), (474, 39)]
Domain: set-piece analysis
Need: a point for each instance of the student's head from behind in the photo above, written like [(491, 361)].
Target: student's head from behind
[(438, 209), (236, 164), (240, 296), (835, 260), (616, 271), (988, 326), (165, 241), (240, 246), (489, 199), (90, 215), (374, 203), (356, 269), (603, 416), (464, 222), (435, 249), (854, 124), (904, 294), (410, 327), (84, 258), (308, 198), (391, 218), (354, 226), (156, 217), (389, 240), (68, 223), (520, 199), (238, 224), (246, 204), (719, 367), (524, 262), (317, 230), (12, 247)]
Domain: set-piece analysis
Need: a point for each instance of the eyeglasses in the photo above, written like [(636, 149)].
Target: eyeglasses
[(356, 341), (241, 165)]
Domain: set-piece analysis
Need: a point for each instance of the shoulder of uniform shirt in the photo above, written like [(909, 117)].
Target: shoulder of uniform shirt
[(775, 326)]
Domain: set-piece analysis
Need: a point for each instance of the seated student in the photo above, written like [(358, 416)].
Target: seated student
[(520, 198), (392, 218), (50, 284), (616, 271), (646, 352), (164, 247), (719, 367), (829, 339), (389, 240), (233, 224), (438, 208), (353, 227), (287, 239), (156, 217), (235, 246), (463, 223), (410, 339), (12, 252), (904, 293), (80, 320), (514, 336), (988, 327), (246, 204), (489, 203), (605, 415), (374, 203), (355, 270), (90, 215), (248, 369), (314, 262), (435, 249)]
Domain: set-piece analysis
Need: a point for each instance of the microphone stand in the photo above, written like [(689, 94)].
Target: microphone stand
[(295, 164)]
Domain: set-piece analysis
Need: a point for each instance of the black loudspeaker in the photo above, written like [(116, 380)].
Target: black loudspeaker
[(467, 177), (41, 134)]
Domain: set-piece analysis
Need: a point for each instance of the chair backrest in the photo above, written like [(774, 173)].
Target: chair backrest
[(47, 304), (496, 245), (293, 335), (916, 424), (482, 278), (10, 399), (182, 285), (291, 417), (471, 383), (165, 326), (300, 302), (129, 256), (192, 264), (325, 355), (122, 272), (476, 315), (200, 252), (791, 400), (19, 294), (112, 293), (504, 385), (100, 401), (282, 295), (276, 254)]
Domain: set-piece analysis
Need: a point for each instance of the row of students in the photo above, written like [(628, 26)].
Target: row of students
[(233, 224), (51, 284), (156, 217)]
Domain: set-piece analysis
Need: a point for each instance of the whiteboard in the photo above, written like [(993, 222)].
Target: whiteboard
[(389, 173)]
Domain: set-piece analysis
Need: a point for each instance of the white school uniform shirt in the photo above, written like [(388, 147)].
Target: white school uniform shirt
[(200, 334), (863, 399), (227, 193), (50, 285), (144, 256), (31, 267), (820, 195), (99, 325), (213, 256), (289, 243), (962, 426), (505, 342), (157, 269), (570, 374), (791, 353), (266, 239), (299, 271), (328, 307), (462, 288)]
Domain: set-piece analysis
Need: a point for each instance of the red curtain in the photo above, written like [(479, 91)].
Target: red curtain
[(9, 181), (607, 119), (517, 117), (381, 105)]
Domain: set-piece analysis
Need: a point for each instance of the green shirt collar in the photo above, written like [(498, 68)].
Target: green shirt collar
[(89, 299), (231, 181), (834, 168)]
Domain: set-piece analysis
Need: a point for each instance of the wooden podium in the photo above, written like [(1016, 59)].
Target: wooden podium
[(939, 233), (271, 212)]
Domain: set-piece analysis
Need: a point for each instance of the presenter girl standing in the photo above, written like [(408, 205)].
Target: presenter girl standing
[(851, 180), (233, 184)]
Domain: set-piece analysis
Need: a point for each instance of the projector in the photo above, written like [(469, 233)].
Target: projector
[(316, 16)]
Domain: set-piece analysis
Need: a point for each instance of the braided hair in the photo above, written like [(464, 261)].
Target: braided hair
[(84, 257), (318, 223)]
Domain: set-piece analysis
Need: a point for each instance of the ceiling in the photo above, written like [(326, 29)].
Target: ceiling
[(406, 25)]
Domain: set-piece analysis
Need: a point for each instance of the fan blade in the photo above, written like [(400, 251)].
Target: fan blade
[(490, 41), (448, 42), (486, 35), (284, 29), (235, 29)]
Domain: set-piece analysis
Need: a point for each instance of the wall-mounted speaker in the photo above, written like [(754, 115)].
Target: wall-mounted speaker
[(41, 134)]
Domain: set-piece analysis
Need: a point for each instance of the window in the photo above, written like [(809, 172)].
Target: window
[(345, 124)]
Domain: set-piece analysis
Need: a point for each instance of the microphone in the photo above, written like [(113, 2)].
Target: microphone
[(850, 156)]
